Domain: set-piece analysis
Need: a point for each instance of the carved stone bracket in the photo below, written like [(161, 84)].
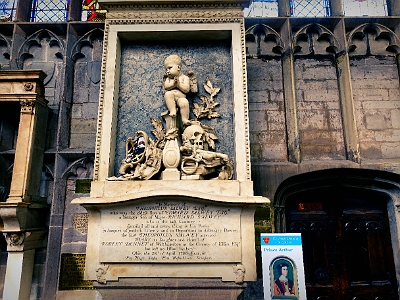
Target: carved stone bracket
[(14, 239), (101, 271), (239, 271), (27, 106)]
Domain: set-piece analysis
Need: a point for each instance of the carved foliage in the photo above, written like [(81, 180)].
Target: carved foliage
[(373, 39), (315, 39), (263, 40)]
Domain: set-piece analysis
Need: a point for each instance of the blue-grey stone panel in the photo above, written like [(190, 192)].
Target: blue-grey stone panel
[(141, 98)]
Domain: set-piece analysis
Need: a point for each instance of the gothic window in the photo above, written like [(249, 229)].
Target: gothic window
[(7, 10), (92, 11), (365, 7), (263, 8), (310, 8), (49, 10)]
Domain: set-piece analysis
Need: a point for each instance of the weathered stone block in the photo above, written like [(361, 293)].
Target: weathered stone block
[(258, 96), (81, 95), (276, 120), (390, 150), (89, 111), (321, 95), (375, 121), (311, 119), (82, 140), (259, 120), (76, 112), (83, 126), (392, 135), (395, 117), (371, 94), (370, 150), (374, 105)]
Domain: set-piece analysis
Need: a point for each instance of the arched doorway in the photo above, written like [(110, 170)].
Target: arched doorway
[(343, 215)]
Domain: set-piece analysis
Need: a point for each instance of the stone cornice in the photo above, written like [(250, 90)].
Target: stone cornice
[(19, 75), (172, 5), (174, 17)]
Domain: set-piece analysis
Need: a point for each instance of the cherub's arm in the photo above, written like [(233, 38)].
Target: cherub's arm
[(183, 84), (170, 84)]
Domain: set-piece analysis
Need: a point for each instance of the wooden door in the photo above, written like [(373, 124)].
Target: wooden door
[(346, 243)]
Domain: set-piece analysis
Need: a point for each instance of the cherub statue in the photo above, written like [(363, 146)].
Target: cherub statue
[(175, 87)]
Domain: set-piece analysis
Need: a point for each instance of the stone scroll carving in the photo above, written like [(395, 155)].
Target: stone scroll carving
[(101, 271), (183, 148)]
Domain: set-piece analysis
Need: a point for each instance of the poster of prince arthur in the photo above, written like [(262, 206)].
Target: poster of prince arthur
[(283, 279), (283, 269)]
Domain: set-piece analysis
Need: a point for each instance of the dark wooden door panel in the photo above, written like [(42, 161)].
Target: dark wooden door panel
[(346, 244)]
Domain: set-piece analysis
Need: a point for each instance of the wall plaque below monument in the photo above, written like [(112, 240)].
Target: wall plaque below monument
[(170, 231)]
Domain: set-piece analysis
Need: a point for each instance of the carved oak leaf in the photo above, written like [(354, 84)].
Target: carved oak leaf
[(158, 131), (215, 91), (208, 86), (210, 138), (214, 115), (197, 109)]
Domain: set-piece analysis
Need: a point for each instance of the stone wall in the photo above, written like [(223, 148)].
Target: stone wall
[(376, 91), (318, 110), (266, 110), (297, 92)]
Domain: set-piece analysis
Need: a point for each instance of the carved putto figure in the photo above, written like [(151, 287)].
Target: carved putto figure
[(175, 87), (188, 150)]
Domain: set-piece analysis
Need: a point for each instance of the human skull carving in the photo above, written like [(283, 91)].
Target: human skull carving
[(197, 139), (195, 134)]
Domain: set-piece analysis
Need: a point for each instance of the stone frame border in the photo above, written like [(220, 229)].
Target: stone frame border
[(216, 21)]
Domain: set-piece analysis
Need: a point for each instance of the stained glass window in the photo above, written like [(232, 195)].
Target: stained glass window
[(265, 8), (310, 8), (92, 11), (49, 10), (365, 7), (7, 10)]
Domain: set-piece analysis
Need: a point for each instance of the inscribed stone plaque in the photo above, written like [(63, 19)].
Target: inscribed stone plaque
[(170, 231), (72, 271)]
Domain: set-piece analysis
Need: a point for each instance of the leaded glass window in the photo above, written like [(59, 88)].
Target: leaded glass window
[(365, 7), (49, 10), (92, 11), (7, 10), (263, 8), (310, 8)]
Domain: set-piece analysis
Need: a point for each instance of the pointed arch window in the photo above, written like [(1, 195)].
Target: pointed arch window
[(92, 11), (310, 8), (7, 10), (49, 10), (262, 8), (365, 7)]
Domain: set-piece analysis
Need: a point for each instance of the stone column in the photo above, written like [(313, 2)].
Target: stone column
[(283, 8), (171, 151), (337, 8), (350, 133), (23, 214), (394, 7), (289, 89)]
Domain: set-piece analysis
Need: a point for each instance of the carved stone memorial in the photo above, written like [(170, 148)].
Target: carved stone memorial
[(172, 195)]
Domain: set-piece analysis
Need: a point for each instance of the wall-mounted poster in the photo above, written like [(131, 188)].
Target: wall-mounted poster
[(283, 270)]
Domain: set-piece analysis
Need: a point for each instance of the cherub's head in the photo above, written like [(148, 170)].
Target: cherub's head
[(173, 64)]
